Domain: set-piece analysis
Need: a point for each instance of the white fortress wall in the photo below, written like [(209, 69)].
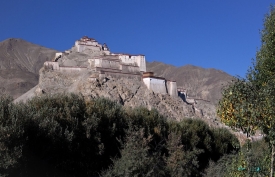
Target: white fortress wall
[(126, 58), (141, 62), (129, 68), (137, 59), (95, 43), (58, 54), (94, 48), (80, 48), (133, 69), (69, 69), (122, 75), (172, 88), (91, 63), (147, 82), (53, 65), (110, 64), (155, 84), (83, 45), (106, 52), (158, 85), (104, 63)]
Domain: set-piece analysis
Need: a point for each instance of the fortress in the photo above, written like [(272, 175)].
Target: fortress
[(88, 54)]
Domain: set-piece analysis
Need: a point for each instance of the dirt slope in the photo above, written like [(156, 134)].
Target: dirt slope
[(199, 82), (20, 62)]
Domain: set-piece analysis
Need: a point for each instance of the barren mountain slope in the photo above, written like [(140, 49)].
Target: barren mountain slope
[(128, 92), (20, 62), (200, 83)]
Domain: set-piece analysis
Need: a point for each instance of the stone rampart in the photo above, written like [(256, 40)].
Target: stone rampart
[(172, 88), (55, 66), (51, 65), (129, 68), (72, 68), (123, 75), (156, 84)]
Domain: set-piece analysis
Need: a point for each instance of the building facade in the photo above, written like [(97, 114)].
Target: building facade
[(114, 64)]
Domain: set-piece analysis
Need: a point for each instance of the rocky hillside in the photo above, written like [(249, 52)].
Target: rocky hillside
[(128, 92), (199, 82), (20, 62)]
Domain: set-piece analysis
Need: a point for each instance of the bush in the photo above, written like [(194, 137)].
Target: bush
[(63, 135), (11, 133), (252, 161)]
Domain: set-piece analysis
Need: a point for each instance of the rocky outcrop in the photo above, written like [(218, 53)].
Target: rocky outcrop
[(21, 60), (125, 91), (199, 82)]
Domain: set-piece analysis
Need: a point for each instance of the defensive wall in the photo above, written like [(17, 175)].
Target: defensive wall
[(133, 59), (160, 84), (55, 66), (86, 43), (116, 65)]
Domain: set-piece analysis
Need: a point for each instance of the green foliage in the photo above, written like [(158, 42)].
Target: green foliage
[(224, 143), (263, 69), (254, 162), (63, 135), (177, 164), (11, 132), (136, 158), (238, 106), (249, 104), (199, 140)]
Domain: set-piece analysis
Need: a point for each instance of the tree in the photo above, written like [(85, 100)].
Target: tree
[(262, 76), (11, 133), (250, 103), (238, 106), (136, 158)]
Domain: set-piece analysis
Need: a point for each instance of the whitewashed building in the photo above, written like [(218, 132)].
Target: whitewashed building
[(133, 59), (160, 84), (112, 64), (86, 43)]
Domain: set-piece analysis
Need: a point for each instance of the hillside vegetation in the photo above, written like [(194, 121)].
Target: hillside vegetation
[(64, 135)]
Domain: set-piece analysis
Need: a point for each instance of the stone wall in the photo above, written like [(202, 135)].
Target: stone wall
[(84, 45), (104, 63), (129, 68), (55, 66), (137, 76), (172, 88), (160, 85), (134, 59), (58, 54), (51, 65), (156, 84), (72, 69), (141, 62)]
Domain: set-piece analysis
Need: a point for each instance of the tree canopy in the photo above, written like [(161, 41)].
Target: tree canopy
[(249, 103)]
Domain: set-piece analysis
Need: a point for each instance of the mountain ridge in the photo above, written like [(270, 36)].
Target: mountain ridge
[(201, 83), (20, 62)]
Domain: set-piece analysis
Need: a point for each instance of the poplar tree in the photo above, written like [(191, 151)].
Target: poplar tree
[(262, 76), (249, 103)]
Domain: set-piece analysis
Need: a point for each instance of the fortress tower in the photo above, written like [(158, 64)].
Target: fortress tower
[(98, 59)]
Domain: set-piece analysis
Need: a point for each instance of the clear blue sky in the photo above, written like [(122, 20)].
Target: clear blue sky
[(221, 34)]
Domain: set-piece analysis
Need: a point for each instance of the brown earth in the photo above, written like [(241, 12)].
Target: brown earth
[(199, 82), (20, 62)]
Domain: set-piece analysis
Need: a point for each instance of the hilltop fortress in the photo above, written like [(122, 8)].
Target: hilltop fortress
[(88, 54), (92, 70)]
